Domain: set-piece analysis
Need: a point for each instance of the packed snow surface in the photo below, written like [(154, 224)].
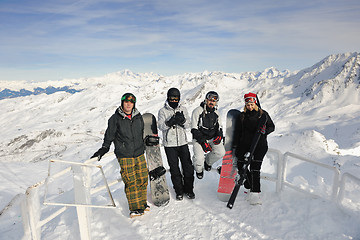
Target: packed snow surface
[(316, 112)]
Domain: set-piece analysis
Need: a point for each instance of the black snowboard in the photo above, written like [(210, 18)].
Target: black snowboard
[(158, 186), (229, 165)]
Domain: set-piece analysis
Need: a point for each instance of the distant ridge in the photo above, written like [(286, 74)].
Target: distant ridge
[(7, 93)]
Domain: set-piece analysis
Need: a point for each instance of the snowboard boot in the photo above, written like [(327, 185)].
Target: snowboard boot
[(136, 213), (179, 197), (254, 198), (190, 195), (147, 208), (200, 175), (206, 166)]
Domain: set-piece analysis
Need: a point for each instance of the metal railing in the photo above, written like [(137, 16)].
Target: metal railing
[(340, 190), (31, 204)]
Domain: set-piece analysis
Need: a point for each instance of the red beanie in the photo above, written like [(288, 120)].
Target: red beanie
[(250, 97)]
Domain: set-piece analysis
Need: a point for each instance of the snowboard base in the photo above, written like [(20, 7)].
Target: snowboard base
[(158, 187), (229, 162)]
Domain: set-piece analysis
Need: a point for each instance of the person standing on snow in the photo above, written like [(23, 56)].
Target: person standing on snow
[(247, 125), (207, 134), (173, 120), (125, 129)]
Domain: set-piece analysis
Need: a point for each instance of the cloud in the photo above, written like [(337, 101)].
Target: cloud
[(200, 32)]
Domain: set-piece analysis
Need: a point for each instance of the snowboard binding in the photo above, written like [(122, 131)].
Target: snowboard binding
[(157, 173)]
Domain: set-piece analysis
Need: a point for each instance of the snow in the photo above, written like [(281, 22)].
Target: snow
[(315, 110)]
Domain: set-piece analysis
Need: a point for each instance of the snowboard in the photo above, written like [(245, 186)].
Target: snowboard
[(240, 178), (158, 186), (229, 162)]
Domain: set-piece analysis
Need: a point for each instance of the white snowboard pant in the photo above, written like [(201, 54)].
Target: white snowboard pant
[(218, 151)]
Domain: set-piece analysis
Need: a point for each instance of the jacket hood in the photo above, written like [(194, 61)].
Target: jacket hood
[(120, 111)]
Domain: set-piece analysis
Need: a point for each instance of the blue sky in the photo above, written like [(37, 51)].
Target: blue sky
[(53, 39)]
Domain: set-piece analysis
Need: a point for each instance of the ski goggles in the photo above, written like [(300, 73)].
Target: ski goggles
[(250, 100), (213, 98), (129, 98), (174, 98)]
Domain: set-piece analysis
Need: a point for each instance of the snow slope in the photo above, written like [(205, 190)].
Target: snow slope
[(316, 112)]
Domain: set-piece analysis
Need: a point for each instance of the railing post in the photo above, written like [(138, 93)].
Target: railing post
[(82, 196), (25, 219), (32, 206)]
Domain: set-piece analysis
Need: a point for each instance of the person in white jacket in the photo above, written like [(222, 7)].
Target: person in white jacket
[(207, 134), (173, 120)]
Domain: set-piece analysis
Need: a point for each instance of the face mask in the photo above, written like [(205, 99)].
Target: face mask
[(173, 104)]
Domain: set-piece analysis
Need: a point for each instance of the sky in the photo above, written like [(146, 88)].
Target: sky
[(53, 39)]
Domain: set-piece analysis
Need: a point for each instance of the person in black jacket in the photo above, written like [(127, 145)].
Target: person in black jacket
[(207, 134), (247, 125), (125, 129)]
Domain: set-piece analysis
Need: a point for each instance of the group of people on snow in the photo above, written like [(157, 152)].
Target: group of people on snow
[(126, 126)]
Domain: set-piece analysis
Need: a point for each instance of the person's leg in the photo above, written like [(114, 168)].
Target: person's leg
[(198, 158), (175, 172), (127, 171), (188, 168), (217, 153), (142, 180)]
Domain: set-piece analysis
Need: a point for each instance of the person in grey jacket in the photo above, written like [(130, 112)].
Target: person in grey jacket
[(125, 129), (207, 134), (173, 121)]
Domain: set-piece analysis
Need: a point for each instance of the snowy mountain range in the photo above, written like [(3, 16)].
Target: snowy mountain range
[(316, 112)]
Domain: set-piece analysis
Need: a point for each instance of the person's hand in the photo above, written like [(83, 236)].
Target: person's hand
[(206, 147), (217, 140), (198, 136), (218, 137), (180, 118), (171, 122), (101, 152)]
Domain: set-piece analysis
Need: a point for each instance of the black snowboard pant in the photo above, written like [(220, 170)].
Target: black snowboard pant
[(252, 180), (183, 181)]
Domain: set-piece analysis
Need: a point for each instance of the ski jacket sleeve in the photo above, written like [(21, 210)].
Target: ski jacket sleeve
[(110, 132), (197, 135), (162, 117), (195, 117), (270, 126)]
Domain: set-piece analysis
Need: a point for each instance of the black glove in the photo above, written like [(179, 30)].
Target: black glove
[(177, 119), (198, 136), (171, 122), (101, 152), (206, 147), (218, 137), (180, 118)]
